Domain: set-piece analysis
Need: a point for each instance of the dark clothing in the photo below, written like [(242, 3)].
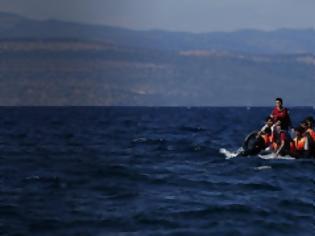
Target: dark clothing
[(311, 142), (283, 116), (252, 145)]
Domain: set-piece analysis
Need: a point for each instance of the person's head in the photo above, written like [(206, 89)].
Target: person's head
[(309, 121), (299, 131), (303, 124), (269, 121), (279, 102), (268, 131)]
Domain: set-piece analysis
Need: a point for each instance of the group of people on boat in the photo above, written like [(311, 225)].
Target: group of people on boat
[(279, 137)]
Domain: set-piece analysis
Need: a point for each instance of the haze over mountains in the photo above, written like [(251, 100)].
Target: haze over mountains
[(60, 63)]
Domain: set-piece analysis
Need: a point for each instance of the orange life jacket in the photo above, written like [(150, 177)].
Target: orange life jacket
[(274, 146), (311, 132), (299, 144), (267, 139)]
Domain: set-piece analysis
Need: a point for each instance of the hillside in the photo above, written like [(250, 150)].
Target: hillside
[(85, 72), (282, 41)]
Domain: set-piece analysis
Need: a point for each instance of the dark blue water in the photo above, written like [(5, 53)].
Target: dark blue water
[(146, 171)]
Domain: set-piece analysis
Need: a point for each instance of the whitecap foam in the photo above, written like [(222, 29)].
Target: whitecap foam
[(263, 167), (228, 154), (274, 156)]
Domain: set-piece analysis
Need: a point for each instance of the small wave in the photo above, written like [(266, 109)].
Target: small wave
[(297, 204), (34, 177), (146, 219), (20, 135), (45, 224), (191, 129), (259, 186), (236, 209), (119, 172), (139, 140), (227, 153), (143, 140), (272, 156), (56, 122), (121, 195), (9, 123), (68, 135), (9, 210), (263, 168)]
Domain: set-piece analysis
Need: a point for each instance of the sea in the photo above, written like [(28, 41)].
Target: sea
[(103, 171)]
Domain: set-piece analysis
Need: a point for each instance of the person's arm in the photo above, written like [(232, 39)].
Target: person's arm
[(272, 114), (289, 119), (263, 128), (280, 148)]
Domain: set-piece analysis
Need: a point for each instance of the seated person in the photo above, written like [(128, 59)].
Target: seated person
[(310, 135), (266, 131), (309, 125), (280, 140), (268, 124), (298, 146), (257, 142)]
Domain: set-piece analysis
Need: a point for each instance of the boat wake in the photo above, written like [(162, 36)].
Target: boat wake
[(228, 154), (266, 156)]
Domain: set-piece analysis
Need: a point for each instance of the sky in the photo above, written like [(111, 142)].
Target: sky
[(173, 15)]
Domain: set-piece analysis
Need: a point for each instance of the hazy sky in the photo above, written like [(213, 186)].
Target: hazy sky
[(179, 15)]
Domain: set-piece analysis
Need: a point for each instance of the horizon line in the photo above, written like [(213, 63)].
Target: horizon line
[(312, 28)]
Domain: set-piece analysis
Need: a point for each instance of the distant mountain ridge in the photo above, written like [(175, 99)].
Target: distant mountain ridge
[(282, 41), (53, 62)]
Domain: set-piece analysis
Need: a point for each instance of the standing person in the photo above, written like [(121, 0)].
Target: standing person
[(281, 114)]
